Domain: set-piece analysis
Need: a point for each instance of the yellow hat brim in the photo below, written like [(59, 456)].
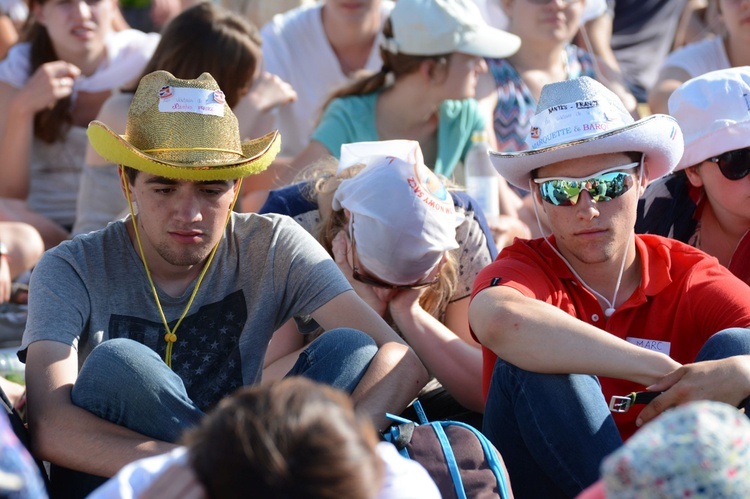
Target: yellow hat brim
[(257, 155)]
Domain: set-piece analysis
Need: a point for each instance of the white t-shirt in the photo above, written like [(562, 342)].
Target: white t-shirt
[(404, 479), (295, 48), (700, 57)]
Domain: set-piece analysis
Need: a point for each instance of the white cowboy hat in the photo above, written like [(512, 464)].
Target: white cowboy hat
[(581, 117)]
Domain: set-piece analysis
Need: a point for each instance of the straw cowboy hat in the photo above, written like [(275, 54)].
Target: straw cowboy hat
[(581, 117), (183, 129)]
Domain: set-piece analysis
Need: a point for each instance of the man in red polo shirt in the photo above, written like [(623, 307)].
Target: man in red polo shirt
[(592, 311)]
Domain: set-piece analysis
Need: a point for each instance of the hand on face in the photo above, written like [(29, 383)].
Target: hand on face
[(51, 82), (404, 302), (341, 249), (269, 91)]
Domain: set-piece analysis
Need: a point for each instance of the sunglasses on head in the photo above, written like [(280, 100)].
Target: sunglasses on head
[(603, 186), (372, 281), (734, 165)]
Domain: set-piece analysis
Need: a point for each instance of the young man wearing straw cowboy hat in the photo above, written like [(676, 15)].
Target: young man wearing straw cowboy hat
[(592, 310), (169, 310)]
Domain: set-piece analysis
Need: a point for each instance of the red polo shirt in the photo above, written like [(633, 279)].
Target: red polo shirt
[(684, 297)]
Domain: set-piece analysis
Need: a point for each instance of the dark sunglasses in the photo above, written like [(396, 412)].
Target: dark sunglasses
[(734, 165), (603, 186), (371, 281)]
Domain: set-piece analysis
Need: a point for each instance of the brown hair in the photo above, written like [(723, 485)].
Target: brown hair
[(397, 64), (435, 299), (209, 38), (294, 438)]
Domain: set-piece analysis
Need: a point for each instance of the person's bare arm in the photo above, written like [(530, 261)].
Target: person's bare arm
[(447, 350), (539, 337), (8, 35), (285, 346), (68, 435), (596, 37), (13, 391), (670, 78), (395, 374)]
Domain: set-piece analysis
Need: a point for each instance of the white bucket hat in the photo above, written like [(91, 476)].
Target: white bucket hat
[(581, 117), (713, 111), (404, 218), (434, 27)]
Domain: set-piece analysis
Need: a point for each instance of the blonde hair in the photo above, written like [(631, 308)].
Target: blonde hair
[(323, 181)]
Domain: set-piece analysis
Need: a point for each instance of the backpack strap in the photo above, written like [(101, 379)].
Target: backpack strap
[(450, 459), (400, 436), (421, 415)]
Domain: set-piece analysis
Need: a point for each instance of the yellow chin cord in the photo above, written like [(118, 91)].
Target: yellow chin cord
[(171, 337)]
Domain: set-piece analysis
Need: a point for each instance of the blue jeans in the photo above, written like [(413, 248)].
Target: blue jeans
[(553, 430), (127, 383)]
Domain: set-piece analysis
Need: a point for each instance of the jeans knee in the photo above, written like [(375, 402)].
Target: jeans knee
[(726, 343), (351, 341), (112, 365)]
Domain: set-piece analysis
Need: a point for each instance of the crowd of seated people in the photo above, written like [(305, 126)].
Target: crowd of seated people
[(289, 202)]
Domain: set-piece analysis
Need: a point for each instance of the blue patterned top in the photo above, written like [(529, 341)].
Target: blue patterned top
[(516, 105)]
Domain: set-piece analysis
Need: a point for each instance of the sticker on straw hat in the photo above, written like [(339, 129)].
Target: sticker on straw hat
[(165, 91), (190, 100)]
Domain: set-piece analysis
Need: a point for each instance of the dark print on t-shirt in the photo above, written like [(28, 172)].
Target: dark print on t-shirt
[(206, 355)]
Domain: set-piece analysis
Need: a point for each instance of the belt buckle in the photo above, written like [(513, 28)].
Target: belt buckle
[(620, 403)]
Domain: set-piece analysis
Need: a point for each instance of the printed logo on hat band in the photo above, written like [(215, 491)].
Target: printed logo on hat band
[(575, 120), (191, 100), (430, 190)]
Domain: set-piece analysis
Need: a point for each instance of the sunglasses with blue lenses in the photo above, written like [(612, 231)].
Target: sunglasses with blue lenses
[(734, 165), (603, 186)]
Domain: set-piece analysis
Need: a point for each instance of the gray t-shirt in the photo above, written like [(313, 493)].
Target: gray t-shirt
[(266, 270)]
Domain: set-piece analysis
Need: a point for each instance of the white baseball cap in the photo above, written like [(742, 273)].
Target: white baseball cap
[(713, 111), (403, 217), (434, 27)]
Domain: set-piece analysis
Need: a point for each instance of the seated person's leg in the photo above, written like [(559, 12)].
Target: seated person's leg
[(126, 382), (338, 358), (726, 343), (552, 430)]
